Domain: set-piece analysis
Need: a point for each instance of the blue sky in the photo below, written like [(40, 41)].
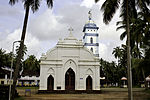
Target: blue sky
[(46, 26)]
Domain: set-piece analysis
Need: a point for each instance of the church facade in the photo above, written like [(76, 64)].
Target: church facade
[(71, 65)]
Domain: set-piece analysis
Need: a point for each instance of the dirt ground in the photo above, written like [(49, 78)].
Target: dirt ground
[(107, 94)]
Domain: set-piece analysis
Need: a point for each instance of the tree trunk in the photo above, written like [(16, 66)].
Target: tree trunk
[(145, 83), (20, 53), (130, 95)]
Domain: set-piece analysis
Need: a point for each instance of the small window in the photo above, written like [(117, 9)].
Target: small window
[(91, 40), (92, 49)]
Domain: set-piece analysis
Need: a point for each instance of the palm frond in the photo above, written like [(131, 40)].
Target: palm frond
[(119, 22), (109, 8), (50, 3), (132, 10), (12, 2), (143, 5), (123, 35), (121, 27), (35, 4), (96, 1)]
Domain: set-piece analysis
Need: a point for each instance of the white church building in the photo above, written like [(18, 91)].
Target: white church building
[(72, 64)]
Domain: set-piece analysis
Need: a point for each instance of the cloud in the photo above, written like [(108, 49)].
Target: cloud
[(32, 43), (104, 52), (6, 11), (88, 3), (10, 17), (47, 27), (8, 41)]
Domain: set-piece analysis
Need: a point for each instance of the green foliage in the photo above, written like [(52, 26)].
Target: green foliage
[(112, 72), (31, 65), (5, 58), (24, 51)]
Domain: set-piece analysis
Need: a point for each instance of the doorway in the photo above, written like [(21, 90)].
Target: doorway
[(50, 83), (89, 83), (70, 80)]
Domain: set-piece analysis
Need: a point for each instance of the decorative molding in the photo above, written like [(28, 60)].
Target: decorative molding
[(91, 34), (71, 56), (91, 44)]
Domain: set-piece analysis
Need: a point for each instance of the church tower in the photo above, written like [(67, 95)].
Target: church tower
[(90, 37)]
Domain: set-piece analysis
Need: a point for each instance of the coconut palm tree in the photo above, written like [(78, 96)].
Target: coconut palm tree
[(117, 53), (139, 28), (34, 5), (109, 8)]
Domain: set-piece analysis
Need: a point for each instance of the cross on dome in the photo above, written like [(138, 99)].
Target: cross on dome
[(70, 29), (90, 14)]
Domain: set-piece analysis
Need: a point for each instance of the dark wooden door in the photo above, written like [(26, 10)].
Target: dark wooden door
[(89, 83), (50, 83), (70, 80)]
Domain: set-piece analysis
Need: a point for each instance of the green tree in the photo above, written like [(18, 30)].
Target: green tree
[(117, 53), (121, 69), (5, 58), (110, 71), (31, 65), (5, 61), (146, 60), (34, 5), (24, 51), (139, 29), (2, 57)]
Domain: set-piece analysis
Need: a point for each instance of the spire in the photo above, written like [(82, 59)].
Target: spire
[(90, 15)]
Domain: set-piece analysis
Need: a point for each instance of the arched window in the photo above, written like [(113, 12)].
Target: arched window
[(92, 49), (91, 40)]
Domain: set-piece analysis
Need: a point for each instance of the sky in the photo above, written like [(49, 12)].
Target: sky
[(46, 26)]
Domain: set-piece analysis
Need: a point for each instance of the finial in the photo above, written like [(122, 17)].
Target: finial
[(90, 14), (70, 29)]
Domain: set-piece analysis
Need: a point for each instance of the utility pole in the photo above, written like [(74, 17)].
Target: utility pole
[(11, 69)]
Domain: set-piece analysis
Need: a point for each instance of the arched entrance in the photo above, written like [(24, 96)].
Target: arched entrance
[(50, 83), (89, 83), (70, 80)]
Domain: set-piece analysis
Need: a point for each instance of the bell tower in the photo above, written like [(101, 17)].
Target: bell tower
[(90, 37)]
